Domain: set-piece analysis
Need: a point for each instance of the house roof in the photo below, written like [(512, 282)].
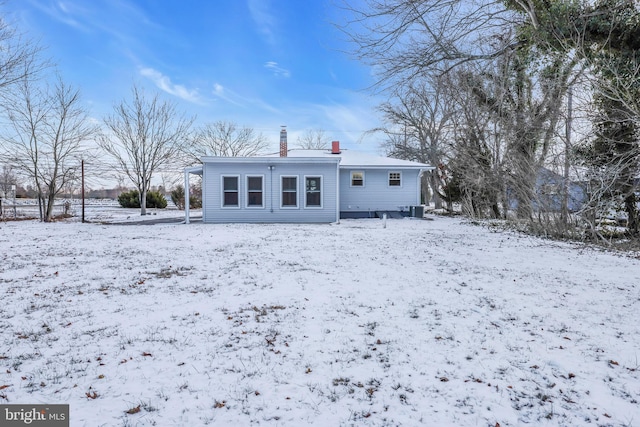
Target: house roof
[(355, 159), (268, 159)]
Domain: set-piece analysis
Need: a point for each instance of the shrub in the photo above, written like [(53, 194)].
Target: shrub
[(155, 199), (130, 199), (177, 196)]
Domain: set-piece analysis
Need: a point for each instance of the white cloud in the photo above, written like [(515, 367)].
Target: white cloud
[(265, 21), (277, 70), (246, 103), (62, 12), (164, 83), (218, 89), (220, 92)]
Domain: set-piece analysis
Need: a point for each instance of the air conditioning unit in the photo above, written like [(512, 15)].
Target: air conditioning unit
[(416, 211)]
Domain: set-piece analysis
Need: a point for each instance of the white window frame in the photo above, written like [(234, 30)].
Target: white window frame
[(297, 205), (321, 192), (389, 179), (246, 181), (222, 192), (351, 178)]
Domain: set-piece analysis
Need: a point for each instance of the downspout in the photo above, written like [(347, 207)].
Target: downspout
[(271, 167), (186, 196)]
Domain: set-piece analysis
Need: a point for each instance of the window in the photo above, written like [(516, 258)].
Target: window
[(395, 179), (313, 185), (230, 191), (289, 191), (357, 178), (254, 192)]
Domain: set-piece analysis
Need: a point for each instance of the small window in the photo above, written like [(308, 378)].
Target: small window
[(395, 179), (313, 185), (357, 179), (254, 191), (289, 191), (230, 191)]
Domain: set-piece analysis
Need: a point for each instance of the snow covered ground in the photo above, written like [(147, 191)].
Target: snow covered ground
[(441, 323)]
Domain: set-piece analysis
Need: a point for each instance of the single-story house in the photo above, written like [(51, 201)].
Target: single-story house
[(306, 186)]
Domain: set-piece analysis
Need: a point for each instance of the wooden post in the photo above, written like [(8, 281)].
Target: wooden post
[(82, 189)]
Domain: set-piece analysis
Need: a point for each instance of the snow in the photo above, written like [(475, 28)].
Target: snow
[(437, 322), (354, 158)]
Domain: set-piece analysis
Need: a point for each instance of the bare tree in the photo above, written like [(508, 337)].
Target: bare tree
[(405, 39), (143, 135), (48, 127), (226, 139), (313, 139), (409, 40), (20, 58), (419, 117)]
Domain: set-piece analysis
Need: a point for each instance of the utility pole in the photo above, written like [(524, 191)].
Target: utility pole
[(82, 189), (567, 164)]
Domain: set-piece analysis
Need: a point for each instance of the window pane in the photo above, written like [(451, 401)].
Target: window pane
[(255, 198), (290, 191), (255, 183), (313, 193), (230, 183), (289, 199), (289, 183), (254, 191), (394, 178), (357, 179), (231, 199), (313, 199), (313, 184)]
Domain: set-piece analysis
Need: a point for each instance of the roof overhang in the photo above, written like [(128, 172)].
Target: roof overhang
[(196, 170), (397, 167), (270, 160)]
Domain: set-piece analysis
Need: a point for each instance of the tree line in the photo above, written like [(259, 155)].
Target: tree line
[(521, 105)]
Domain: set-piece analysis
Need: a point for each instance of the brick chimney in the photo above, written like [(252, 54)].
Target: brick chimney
[(335, 147), (283, 141)]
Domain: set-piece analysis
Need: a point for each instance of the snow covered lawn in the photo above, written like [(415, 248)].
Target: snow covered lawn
[(435, 322)]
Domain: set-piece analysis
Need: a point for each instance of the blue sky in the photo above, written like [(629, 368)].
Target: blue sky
[(260, 63)]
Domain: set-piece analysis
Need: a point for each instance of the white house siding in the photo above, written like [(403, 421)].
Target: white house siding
[(213, 212), (376, 194)]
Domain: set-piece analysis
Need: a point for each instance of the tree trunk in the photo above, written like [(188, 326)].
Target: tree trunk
[(630, 205), (434, 182), (49, 207), (143, 201)]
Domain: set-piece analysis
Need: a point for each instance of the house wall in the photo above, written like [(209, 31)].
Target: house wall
[(271, 211), (376, 194)]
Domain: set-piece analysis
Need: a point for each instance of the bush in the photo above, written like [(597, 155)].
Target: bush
[(155, 199), (130, 199), (177, 196)]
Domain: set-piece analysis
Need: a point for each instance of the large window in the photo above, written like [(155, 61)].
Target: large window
[(357, 179), (395, 179), (313, 193), (230, 191), (289, 191), (254, 191)]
